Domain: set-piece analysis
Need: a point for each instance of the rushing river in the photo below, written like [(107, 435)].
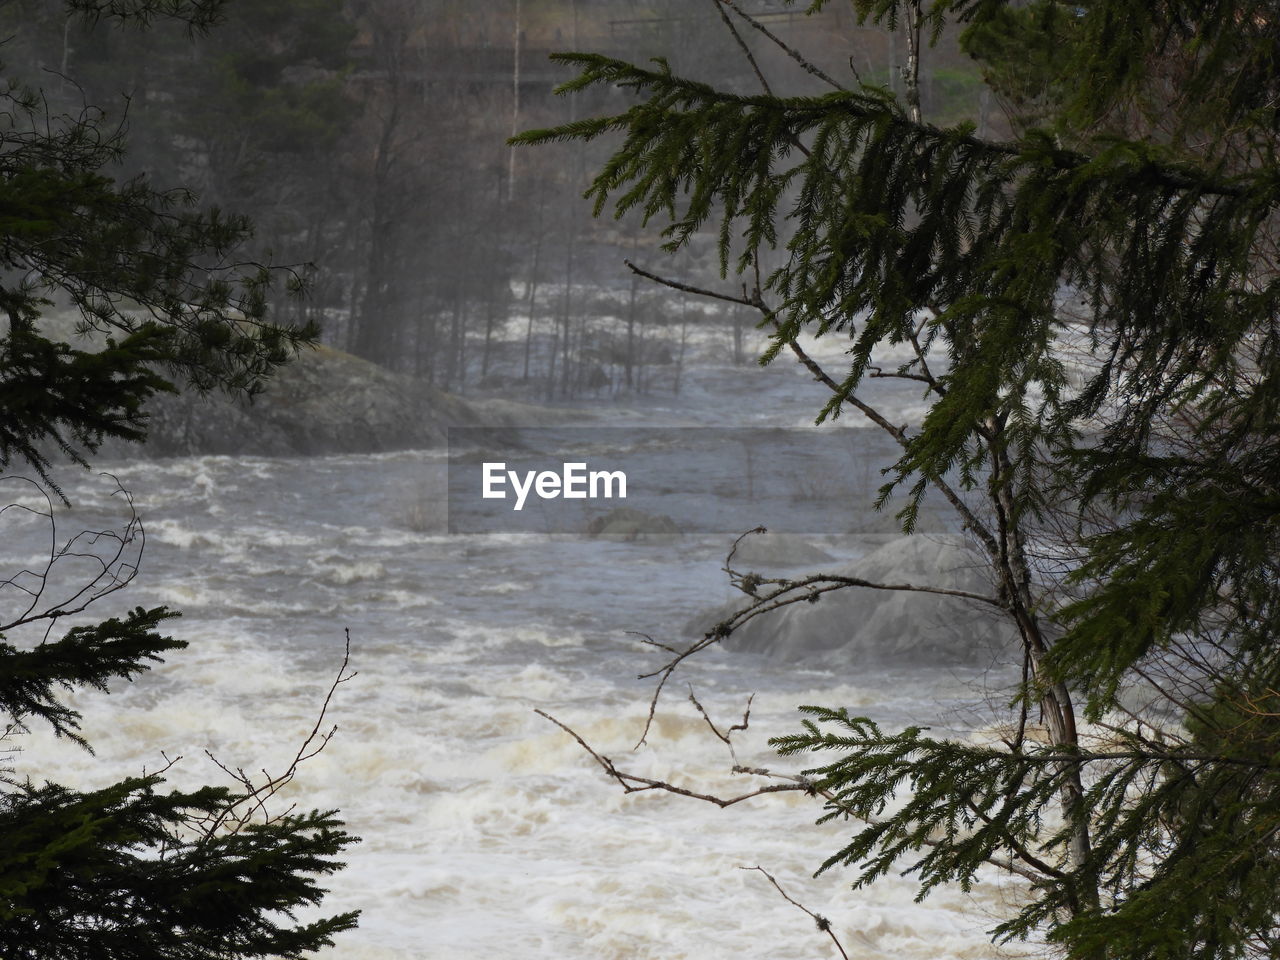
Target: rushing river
[(487, 832)]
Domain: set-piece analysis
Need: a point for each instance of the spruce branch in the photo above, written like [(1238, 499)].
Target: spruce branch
[(790, 783), (844, 392)]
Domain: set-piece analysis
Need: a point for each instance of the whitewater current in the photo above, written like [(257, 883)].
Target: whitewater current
[(487, 831)]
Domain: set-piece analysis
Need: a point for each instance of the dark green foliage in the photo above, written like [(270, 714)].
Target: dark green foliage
[(273, 92), (1165, 818), (140, 263), (126, 253), (57, 396), (973, 799), (80, 878), (127, 872), (86, 656), (1091, 312), (1023, 52)]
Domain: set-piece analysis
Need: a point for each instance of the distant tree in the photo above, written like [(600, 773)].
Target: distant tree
[(1090, 310), (127, 870)]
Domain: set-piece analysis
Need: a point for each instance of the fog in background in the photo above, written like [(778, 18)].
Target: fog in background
[(368, 140), (456, 281)]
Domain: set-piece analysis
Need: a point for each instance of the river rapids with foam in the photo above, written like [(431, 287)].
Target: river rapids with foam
[(487, 831)]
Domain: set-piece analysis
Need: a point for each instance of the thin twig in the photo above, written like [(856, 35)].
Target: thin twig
[(725, 737), (967, 516), (791, 783), (256, 796), (793, 53), (822, 922), (631, 783), (742, 45)]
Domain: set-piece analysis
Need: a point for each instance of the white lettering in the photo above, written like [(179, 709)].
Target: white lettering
[(548, 485), (575, 481), (609, 477), (522, 490), (493, 477)]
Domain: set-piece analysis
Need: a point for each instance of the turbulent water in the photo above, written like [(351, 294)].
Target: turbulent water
[(487, 832)]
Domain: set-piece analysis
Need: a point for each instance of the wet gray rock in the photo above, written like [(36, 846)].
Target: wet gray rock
[(324, 401), (629, 523), (876, 627), (765, 552)]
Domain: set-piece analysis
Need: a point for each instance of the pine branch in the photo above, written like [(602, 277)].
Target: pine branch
[(86, 656)]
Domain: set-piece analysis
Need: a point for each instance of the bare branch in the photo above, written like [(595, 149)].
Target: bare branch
[(726, 737), (646, 639), (791, 783), (824, 925), (742, 45), (686, 288), (631, 783), (786, 592), (728, 562), (790, 51), (116, 565), (253, 802)]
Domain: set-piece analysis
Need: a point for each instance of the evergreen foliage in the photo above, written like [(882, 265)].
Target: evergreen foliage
[(127, 871), (86, 656), (1090, 307), (140, 263)]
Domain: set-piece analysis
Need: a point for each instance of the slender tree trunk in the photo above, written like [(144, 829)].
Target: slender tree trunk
[(531, 288), (1014, 573), (629, 357), (911, 72), (515, 104), (374, 333), (684, 342), (566, 311)]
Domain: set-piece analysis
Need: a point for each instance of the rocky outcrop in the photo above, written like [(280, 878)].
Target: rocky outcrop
[(631, 524), (769, 553), (860, 626), (324, 401)]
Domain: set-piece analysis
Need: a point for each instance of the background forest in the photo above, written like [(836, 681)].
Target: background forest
[(368, 140), (1033, 262)]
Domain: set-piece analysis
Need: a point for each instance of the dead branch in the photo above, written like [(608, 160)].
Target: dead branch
[(631, 783), (790, 51), (822, 922), (116, 565), (791, 783), (742, 45), (727, 736), (784, 593), (251, 805)]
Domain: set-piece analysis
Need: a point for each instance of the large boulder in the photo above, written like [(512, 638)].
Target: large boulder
[(858, 625), (769, 552), (628, 523), (324, 401)]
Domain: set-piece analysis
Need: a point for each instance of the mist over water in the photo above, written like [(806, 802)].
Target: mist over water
[(488, 831), (455, 264)]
